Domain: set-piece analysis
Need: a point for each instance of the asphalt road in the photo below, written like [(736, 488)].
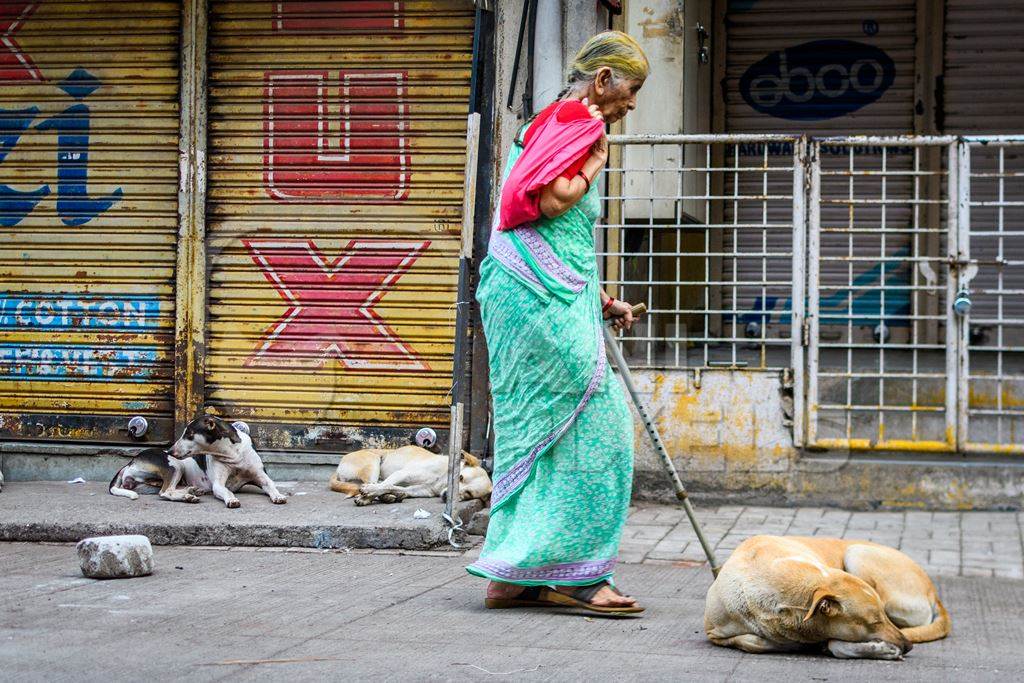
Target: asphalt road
[(213, 614)]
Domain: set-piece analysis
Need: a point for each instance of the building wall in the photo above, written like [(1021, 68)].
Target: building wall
[(729, 436)]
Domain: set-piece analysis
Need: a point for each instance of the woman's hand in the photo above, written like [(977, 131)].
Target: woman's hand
[(600, 148), (621, 315), (594, 110)]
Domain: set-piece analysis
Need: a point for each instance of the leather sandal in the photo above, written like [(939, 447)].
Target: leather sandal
[(582, 598), (530, 597)]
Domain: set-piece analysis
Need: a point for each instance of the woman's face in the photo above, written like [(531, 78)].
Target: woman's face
[(616, 97)]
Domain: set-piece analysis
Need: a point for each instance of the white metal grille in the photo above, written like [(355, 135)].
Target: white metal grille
[(878, 239), (880, 342), (695, 227), (992, 233)]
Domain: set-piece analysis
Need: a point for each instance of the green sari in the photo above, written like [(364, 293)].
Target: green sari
[(563, 436)]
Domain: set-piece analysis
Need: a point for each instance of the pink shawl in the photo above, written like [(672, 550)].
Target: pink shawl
[(551, 149)]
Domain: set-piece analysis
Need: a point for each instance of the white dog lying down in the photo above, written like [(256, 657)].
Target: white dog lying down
[(857, 599), (407, 472)]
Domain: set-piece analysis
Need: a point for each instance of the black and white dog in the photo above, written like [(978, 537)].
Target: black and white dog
[(158, 468), (230, 463)]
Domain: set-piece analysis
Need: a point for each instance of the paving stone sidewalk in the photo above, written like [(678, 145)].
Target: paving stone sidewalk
[(944, 543)]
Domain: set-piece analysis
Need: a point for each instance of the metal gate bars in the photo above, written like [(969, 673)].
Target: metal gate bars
[(887, 273)]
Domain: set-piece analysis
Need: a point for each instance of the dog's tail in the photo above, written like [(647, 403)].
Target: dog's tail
[(938, 629), (346, 487), (116, 490)]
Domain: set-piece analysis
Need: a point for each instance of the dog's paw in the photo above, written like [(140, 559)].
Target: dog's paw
[(190, 498), (872, 649), (278, 500), (193, 491), (233, 504), (883, 650), (362, 500)]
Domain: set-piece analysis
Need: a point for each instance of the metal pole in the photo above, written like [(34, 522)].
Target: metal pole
[(454, 470), (659, 446), (462, 304)]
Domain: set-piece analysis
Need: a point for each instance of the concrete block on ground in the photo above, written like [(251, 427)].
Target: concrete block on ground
[(115, 557), (477, 525)]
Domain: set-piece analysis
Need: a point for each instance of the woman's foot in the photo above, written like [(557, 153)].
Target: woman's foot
[(497, 590), (605, 597)]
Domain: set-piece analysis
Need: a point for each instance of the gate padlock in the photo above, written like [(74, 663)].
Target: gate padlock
[(962, 303), (137, 427)]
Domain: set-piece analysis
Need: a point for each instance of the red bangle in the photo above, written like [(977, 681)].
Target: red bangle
[(608, 304), (583, 175)]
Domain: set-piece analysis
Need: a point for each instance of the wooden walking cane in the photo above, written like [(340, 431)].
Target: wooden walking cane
[(652, 431)]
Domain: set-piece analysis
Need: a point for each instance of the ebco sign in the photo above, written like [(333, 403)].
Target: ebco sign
[(820, 80)]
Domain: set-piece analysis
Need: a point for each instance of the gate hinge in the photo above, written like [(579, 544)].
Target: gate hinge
[(805, 333)]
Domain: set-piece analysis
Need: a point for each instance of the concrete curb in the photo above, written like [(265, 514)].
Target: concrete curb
[(48, 511)]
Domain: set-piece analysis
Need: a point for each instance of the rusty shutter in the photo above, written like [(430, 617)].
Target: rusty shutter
[(337, 145), (804, 67), (983, 94), (859, 54), (88, 218), (983, 76)]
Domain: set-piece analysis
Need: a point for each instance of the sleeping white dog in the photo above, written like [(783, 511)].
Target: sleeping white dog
[(392, 475)]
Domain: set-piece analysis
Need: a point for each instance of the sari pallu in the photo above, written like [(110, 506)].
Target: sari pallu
[(563, 435)]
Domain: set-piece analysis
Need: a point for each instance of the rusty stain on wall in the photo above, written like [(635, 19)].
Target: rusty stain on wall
[(661, 23), (733, 421)]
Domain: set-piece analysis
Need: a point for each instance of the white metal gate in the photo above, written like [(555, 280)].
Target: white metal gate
[(909, 332), (916, 294), (881, 337), (990, 253)]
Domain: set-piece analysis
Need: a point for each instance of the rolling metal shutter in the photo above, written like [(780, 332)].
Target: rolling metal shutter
[(88, 218), (773, 45), (804, 67), (337, 146), (983, 75), (984, 95)]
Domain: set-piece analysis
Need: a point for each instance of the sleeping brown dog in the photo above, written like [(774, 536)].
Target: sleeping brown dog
[(854, 598)]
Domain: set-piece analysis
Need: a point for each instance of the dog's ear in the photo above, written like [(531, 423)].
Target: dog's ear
[(824, 603), (229, 432), (470, 459), (209, 423)]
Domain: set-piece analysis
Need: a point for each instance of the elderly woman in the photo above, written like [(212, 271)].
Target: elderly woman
[(563, 462)]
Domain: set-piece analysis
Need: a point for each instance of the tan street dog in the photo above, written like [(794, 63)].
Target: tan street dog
[(392, 475), (855, 598)]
